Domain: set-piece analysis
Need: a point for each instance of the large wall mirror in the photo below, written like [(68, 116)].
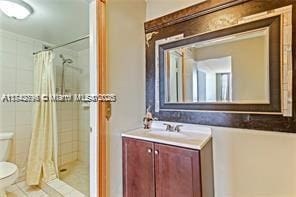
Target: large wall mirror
[(231, 65), (234, 69), (230, 69)]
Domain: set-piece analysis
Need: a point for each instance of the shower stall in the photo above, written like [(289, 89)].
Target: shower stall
[(72, 77), (71, 70), (51, 141)]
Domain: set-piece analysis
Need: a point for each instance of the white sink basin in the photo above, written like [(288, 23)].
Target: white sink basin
[(168, 134), (190, 138)]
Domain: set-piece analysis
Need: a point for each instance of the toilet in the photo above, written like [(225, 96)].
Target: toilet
[(8, 171)]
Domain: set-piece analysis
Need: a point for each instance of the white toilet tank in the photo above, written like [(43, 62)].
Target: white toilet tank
[(5, 143)]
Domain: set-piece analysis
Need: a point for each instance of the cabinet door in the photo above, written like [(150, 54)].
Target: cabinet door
[(138, 168), (177, 172)]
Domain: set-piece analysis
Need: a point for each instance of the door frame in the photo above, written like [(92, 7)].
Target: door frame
[(102, 82), (99, 180)]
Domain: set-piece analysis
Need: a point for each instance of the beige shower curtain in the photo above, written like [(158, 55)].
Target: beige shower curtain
[(42, 154)]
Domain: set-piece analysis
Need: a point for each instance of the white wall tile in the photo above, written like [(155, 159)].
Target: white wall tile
[(24, 107), (22, 146), (24, 118), (64, 126), (8, 44), (6, 128), (7, 60), (66, 137), (25, 62), (74, 155), (66, 158), (66, 115), (23, 88), (7, 34), (75, 125), (75, 135), (7, 120), (7, 106), (25, 49), (21, 160), (24, 77), (7, 77), (23, 132), (66, 148), (75, 146)]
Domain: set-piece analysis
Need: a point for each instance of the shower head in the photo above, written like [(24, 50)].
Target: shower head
[(68, 61)]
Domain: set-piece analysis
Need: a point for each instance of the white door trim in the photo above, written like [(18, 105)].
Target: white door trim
[(93, 157)]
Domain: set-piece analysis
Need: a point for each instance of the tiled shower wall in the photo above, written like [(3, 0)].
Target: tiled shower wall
[(84, 129), (16, 76), (73, 118), (67, 113)]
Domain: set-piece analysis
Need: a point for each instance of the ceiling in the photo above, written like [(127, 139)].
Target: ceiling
[(158, 8), (53, 21)]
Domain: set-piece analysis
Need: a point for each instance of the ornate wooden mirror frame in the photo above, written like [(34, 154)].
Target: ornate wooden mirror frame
[(210, 16), (274, 105)]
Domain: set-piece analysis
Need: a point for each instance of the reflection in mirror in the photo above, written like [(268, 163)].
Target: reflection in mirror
[(231, 69)]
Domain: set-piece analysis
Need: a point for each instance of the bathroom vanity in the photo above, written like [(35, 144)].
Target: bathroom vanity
[(160, 163)]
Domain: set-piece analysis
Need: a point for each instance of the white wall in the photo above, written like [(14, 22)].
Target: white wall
[(247, 163), (158, 8), (250, 163), (126, 61)]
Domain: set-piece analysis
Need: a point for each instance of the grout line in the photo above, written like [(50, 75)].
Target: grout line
[(20, 189)]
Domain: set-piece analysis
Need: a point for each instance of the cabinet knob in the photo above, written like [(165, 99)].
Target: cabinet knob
[(149, 150), (156, 152)]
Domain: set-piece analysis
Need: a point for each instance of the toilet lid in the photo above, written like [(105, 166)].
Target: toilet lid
[(7, 169)]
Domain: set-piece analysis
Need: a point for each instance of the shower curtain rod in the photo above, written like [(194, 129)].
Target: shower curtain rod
[(62, 45)]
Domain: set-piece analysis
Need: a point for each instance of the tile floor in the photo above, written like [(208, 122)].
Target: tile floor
[(22, 190), (77, 176), (62, 189)]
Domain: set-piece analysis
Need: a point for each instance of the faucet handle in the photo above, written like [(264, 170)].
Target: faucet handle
[(169, 127), (178, 128)]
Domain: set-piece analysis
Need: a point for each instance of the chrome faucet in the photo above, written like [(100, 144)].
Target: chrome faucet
[(172, 128), (178, 128), (169, 127)]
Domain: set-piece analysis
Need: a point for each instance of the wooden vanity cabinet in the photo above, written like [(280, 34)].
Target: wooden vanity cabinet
[(138, 168), (158, 170)]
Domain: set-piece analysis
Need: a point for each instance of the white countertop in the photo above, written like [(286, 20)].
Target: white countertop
[(190, 136)]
